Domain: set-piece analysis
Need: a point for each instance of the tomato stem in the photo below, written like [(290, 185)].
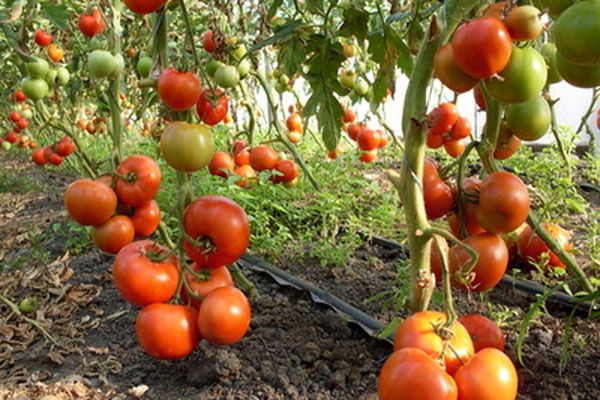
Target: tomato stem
[(240, 279)]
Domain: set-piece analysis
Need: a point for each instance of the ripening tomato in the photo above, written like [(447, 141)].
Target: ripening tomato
[(14, 116), (420, 331), (242, 158), (288, 169), (90, 202), (507, 144), (349, 116), (449, 73), (483, 331), (140, 279), (187, 147), (294, 136), (529, 120), (461, 129), (442, 118), (503, 202), (532, 248), (65, 147), (492, 263), (368, 156), (524, 23), (144, 6), (438, 196), (479, 98), (495, 10), (167, 331), (263, 157), (482, 47), (55, 52), (332, 155), (42, 38), (410, 373), (383, 139), (145, 219), (224, 316), (455, 148), (215, 278), (91, 24), (212, 108), (114, 234), (178, 90), (247, 176), (139, 180), (37, 156), (222, 222), (489, 375), (294, 122), (434, 141), (354, 130), (221, 164), (368, 139), (208, 42)]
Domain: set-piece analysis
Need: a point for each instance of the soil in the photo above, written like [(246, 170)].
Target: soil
[(295, 349)]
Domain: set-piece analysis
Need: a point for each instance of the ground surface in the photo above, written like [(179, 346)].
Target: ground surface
[(295, 349)]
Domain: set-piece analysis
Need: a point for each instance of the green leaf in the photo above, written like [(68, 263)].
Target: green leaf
[(291, 56), (57, 13), (355, 24), (273, 9), (389, 329), (315, 6), (281, 34)]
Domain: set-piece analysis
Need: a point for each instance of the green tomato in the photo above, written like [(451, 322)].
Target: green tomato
[(284, 79), (51, 77), (119, 67), (35, 89), (95, 43), (276, 73), (361, 88), (522, 79), (27, 113), (143, 67), (227, 76), (62, 76), (244, 67), (101, 63), (239, 52), (187, 147), (530, 120), (348, 79), (27, 305), (212, 67), (548, 50), (576, 33), (6, 145), (38, 68), (279, 87), (577, 75), (555, 7)]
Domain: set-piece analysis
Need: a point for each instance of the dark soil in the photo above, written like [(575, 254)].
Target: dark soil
[(295, 349)]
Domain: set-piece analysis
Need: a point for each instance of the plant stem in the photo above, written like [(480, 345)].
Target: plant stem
[(240, 279), (554, 129)]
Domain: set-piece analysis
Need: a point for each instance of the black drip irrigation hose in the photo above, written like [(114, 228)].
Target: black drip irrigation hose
[(563, 300)]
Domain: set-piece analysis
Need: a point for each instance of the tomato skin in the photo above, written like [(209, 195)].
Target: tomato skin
[(42, 38), (489, 375), (479, 99), (90, 202), (263, 158), (217, 277), (146, 219), (209, 114), (187, 147), (142, 281), (55, 53), (247, 175), (531, 247), (508, 143), (167, 331), (14, 116), (461, 129), (91, 25), (368, 139), (178, 90), (354, 130), (143, 187), (495, 10), (524, 23), (37, 156), (224, 222), (114, 234), (455, 148), (65, 147), (548, 50), (472, 224), (484, 332), (529, 120), (503, 202), (288, 168), (442, 118), (522, 79), (208, 42), (449, 73), (19, 96), (575, 33), (482, 47), (294, 136), (144, 6), (368, 156), (242, 158), (224, 316), (220, 164), (349, 116), (294, 122), (438, 196), (411, 374), (578, 75), (492, 263), (418, 331)]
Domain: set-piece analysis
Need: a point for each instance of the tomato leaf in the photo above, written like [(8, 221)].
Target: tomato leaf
[(356, 23), (390, 329), (273, 9), (57, 13), (315, 6), (281, 34), (291, 55)]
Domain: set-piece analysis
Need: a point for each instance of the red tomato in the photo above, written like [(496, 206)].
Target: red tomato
[(332, 155), (144, 6), (455, 148), (368, 139), (479, 98), (288, 169), (354, 130), (11, 137), (178, 90), (212, 109), (442, 118), (461, 129), (139, 279), (37, 156), (90, 202), (503, 202), (114, 234), (447, 71), (14, 116), (383, 139), (65, 147), (532, 248), (492, 263), (368, 156), (242, 158), (434, 141), (263, 157), (294, 122), (470, 186), (22, 123), (238, 146), (221, 164), (247, 175), (224, 316), (484, 332), (482, 47), (146, 219), (141, 180), (19, 96), (294, 136), (208, 42), (411, 374), (42, 38), (489, 375), (215, 278), (439, 197), (167, 331), (224, 223), (419, 330), (508, 143), (349, 116)]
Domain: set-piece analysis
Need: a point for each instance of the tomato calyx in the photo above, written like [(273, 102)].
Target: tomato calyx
[(202, 242)]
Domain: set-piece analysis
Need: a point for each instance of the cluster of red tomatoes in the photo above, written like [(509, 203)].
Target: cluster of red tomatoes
[(469, 365), (447, 128), (245, 162), (368, 140), (44, 39), (118, 207), (54, 154), (295, 126), (93, 126), (13, 136), (148, 275)]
